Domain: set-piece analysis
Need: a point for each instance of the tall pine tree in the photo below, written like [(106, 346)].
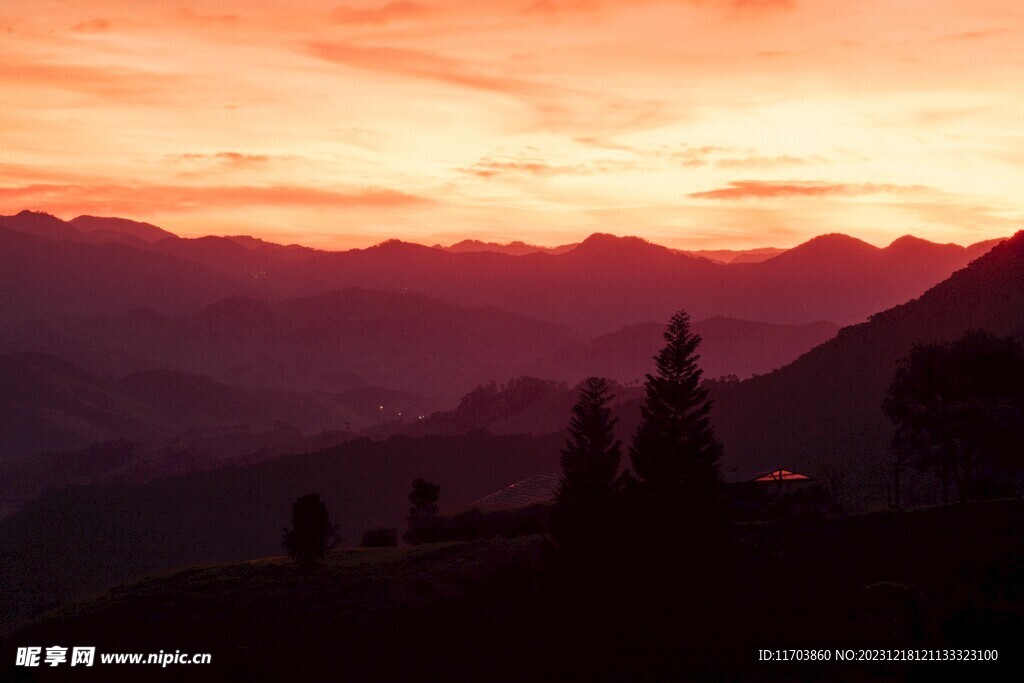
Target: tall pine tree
[(674, 453), (588, 494)]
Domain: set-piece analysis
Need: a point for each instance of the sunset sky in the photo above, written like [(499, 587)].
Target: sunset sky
[(693, 123)]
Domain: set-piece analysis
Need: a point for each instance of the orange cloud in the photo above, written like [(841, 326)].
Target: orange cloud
[(761, 161), (92, 26), (383, 14), (418, 64), (767, 189), (107, 82), (142, 200), (193, 16)]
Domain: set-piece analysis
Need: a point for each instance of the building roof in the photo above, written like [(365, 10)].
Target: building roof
[(537, 489), (781, 475)]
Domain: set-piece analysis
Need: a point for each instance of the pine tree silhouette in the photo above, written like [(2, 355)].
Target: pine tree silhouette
[(312, 534), (588, 494), (674, 453)]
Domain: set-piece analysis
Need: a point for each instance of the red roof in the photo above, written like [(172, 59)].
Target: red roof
[(782, 475)]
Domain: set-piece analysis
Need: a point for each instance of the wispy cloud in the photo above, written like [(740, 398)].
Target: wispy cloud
[(425, 65), (381, 14), (768, 189), (148, 199), (92, 26), (191, 15), (110, 82)]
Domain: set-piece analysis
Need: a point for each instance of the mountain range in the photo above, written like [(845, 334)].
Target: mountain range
[(53, 268)]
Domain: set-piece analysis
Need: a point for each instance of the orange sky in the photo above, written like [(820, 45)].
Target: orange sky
[(694, 123)]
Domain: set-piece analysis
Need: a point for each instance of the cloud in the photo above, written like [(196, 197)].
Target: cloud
[(489, 168), (144, 199), (761, 162), (766, 189), (232, 159), (383, 14), (762, 4), (92, 26), (417, 64), (191, 15), (493, 167), (106, 82), (555, 7)]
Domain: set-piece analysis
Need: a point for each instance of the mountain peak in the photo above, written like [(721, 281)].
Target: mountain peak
[(611, 245), (147, 232), (828, 246)]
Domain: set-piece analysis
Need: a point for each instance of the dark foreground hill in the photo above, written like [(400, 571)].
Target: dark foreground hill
[(926, 580), (823, 412), (83, 538)]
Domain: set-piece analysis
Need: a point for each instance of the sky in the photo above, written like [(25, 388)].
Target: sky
[(693, 123)]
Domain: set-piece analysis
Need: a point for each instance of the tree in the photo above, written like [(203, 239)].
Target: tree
[(424, 497), (958, 408), (674, 453), (312, 534), (423, 510), (588, 494)]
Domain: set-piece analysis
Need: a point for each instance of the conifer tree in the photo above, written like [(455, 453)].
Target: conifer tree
[(587, 496), (674, 453), (312, 533)]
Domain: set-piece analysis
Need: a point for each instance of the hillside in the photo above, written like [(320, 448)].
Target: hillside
[(84, 538), (823, 411), (729, 347), (335, 341), (481, 610)]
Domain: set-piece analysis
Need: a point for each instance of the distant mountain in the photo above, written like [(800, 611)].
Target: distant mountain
[(730, 347), (146, 232), (512, 248), (737, 255), (334, 341), (600, 285), (49, 404), (822, 413), (44, 279), (41, 225), (608, 282), (84, 229)]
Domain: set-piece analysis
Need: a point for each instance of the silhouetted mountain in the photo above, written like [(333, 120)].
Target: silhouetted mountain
[(730, 347), (601, 284), (521, 405), (146, 232), (516, 248), (822, 413), (49, 404), (43, 279), (288, 252), (244, 257), (42, 225), (332, 342), (608, 282), (737, 255)]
